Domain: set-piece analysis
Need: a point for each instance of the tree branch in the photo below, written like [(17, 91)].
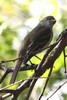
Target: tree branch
[(46, 63)]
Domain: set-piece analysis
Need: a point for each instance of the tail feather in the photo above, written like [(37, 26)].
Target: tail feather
[(15, 72)]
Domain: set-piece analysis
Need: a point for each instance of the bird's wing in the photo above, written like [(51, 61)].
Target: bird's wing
[(41, 38)]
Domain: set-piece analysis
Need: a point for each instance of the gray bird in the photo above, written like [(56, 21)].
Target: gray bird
[(34, 42)]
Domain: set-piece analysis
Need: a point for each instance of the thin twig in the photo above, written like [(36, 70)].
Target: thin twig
[(20, 81), (45, 83), (57, 89), (12, 60), (64, 60)]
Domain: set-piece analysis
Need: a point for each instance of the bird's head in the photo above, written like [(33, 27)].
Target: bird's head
[(48, 21)]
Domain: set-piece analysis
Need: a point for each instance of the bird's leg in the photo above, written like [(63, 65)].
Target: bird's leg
[(30, 62), (37, 57)]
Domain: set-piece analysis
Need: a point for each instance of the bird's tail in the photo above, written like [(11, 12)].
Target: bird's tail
[(16, 70)]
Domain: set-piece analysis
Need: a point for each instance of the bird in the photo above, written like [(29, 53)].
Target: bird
[(34, 42)]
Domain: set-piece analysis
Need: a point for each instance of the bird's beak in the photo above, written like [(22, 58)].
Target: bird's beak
[(54, 21)]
